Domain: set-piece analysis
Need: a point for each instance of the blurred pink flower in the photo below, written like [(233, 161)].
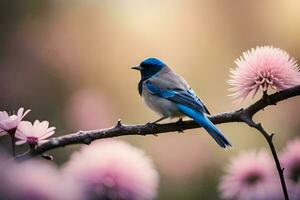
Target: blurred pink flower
[(290, 160), (34, 133), (114, 170), (251, 176), (9, 123), (89, 109), (263, 68), (35, 180), (171, 165)]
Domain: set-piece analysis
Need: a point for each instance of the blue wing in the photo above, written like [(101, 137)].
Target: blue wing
[(184, 97), (190, 105)]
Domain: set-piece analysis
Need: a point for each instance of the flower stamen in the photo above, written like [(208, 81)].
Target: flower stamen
[(266, 68)]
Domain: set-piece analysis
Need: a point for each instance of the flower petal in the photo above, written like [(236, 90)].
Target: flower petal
[(2, 132), (263, 68), (20, 142), (26, 112), (47, 135)]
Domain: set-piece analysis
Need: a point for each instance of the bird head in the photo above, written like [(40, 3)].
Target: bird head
[(149, 67)]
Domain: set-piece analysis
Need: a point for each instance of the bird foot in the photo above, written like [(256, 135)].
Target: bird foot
[(180, 126), (160, 119)]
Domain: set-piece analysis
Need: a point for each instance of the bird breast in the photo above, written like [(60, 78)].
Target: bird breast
[(161, 106)]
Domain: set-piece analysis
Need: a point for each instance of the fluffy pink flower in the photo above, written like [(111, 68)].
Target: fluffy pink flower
[(290, 160), (10, 123), (263, 68), (35, 180), (114, 170), (251, 176), (33, 133)]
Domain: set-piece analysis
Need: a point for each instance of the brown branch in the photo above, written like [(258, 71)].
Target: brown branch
[(86, 137), (269, 138)]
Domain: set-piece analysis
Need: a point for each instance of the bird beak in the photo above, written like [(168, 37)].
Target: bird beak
[(136, 67)]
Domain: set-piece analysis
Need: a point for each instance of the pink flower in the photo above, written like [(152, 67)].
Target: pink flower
[(251, 176), (290, 160), (9, 123), (89, 109), (262, 69), (114, 170), (35, 180), (34, 133)]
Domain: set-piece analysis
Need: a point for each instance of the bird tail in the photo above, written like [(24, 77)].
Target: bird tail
[(202, 120)]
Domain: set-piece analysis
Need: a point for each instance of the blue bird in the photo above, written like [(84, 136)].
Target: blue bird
[(170, 96)]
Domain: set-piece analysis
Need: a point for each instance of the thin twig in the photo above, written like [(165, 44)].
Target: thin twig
[(12, 139), (269, 138), (12, 134)]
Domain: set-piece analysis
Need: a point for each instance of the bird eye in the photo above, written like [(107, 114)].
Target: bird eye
[(145, 67)]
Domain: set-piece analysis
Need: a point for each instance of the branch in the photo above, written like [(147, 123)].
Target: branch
[(269, 138), (86, 137)]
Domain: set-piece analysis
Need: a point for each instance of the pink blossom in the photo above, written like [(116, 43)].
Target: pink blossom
[(251, 176), (9, 123), (35, 180), (171, 164), (33, 133), (262, 69), (89, 109), (290, 160), (114, 170)]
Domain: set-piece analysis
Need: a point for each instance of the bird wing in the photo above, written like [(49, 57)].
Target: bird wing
[(179, 95)]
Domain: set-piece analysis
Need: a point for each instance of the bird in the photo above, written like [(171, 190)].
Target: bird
[(170, 96)]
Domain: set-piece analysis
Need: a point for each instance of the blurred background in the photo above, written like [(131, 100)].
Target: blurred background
[(69, 62)]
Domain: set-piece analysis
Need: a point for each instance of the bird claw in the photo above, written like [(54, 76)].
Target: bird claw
[(180, 125)]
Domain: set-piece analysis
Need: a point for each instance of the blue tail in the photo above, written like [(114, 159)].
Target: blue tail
[(202, 120)]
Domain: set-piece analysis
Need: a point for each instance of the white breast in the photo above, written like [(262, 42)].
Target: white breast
[(159, 105)]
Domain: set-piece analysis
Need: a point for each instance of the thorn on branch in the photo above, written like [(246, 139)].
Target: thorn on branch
[(80, 132), (119, 124), (259, 127)]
